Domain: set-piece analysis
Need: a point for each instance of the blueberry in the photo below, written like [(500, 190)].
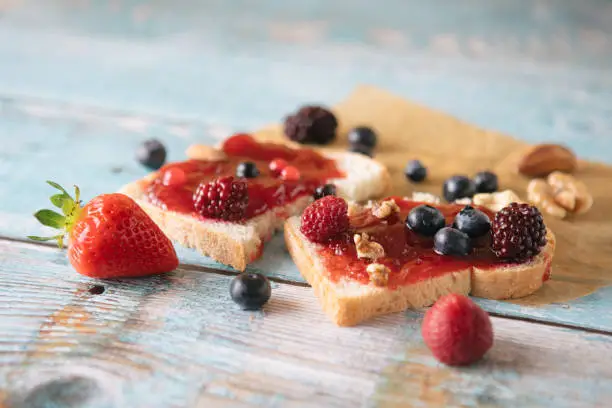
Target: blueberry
[(152, 154), (325, 190), (449, 241), (425, 220), (362, 135), (415, 171), (457, 187), (473, 222), (486, 182), (247, 170), (250, 290), (363, 149)]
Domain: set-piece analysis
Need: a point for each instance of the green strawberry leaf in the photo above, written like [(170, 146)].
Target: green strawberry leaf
[(55, 185), (43, 239), (58, 199), (50, 218)]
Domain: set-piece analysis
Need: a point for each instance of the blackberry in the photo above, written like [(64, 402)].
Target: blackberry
[(311, 124), (518, 232)]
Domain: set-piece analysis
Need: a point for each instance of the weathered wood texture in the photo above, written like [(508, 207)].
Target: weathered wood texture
[(179, 340), (94, 149)]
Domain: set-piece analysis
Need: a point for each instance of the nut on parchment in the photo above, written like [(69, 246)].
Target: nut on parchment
[(379, 274), (570, 193), (543, 159), (496, 201), (366, 248), (424, 197), (540, 193), (203, 152)]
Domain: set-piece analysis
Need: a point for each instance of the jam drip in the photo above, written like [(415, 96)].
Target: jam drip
[(409, 256), (266, 191)]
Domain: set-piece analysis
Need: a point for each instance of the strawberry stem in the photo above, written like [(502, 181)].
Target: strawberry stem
[(71, 210)]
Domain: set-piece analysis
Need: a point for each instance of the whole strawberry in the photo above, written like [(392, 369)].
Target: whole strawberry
[(457, 331), (110, 237)]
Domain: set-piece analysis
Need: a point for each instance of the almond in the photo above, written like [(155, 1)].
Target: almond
[(543, 159)]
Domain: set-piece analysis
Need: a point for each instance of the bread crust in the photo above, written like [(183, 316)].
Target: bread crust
[(348, 310)]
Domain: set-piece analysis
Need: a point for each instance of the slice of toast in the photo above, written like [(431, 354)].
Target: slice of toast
[(238, 243), (348, 302)]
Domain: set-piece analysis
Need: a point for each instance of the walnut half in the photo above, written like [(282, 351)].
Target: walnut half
[(385, 209), (366, 248)]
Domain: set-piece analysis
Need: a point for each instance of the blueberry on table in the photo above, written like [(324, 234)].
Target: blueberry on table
[(152, 154), (450, 241), (362, 135), (250, 290), (425, 220), (415, 171), (486, 182), (247, 170), (457, 187), (324, 190), (473, 222), (362, 149)]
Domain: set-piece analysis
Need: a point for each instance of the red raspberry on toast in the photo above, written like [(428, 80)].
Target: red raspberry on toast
[(110, 237), (325, 218), (457, 331)]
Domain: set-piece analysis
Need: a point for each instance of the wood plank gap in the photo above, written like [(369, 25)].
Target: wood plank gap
[(198, 268), (552, 324)]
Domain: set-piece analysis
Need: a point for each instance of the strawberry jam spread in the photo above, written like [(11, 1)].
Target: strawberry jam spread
[(175, 184), (410, 257)]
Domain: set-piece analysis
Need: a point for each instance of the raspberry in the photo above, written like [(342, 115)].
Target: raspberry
[(518, 232), (325, 219), (457, 331), (311, 124), (224, 198)]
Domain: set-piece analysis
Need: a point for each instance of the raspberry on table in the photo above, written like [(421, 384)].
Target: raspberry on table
[(518, 232), (311, 124), (325, 218), (225, 198), (457, 331)]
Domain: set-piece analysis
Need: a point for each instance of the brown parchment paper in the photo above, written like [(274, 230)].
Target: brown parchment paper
[(447, 146)]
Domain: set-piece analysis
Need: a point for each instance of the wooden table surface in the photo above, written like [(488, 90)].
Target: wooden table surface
[(82, 83)]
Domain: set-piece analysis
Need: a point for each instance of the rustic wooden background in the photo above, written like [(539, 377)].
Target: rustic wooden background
[(83, 82)]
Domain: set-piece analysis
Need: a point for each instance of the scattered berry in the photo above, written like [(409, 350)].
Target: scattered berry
[(325, 190), (250, 290), (425, 220), (247, 170), (473, 222), (457, 331), (311, 124), (415, 171), (110, 237), (225, 198), (485, 182), (362, 149), (362, 135), (457, 187), (518, 232), (450, 241), (325, 219), (152, 154), (290, 173), (277, 165), (174, 177)]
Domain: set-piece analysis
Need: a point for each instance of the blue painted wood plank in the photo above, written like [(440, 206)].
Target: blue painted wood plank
[(539, 71), (178, 340)]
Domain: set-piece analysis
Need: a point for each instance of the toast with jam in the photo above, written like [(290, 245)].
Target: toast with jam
[(226, 201), (397, 253)]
